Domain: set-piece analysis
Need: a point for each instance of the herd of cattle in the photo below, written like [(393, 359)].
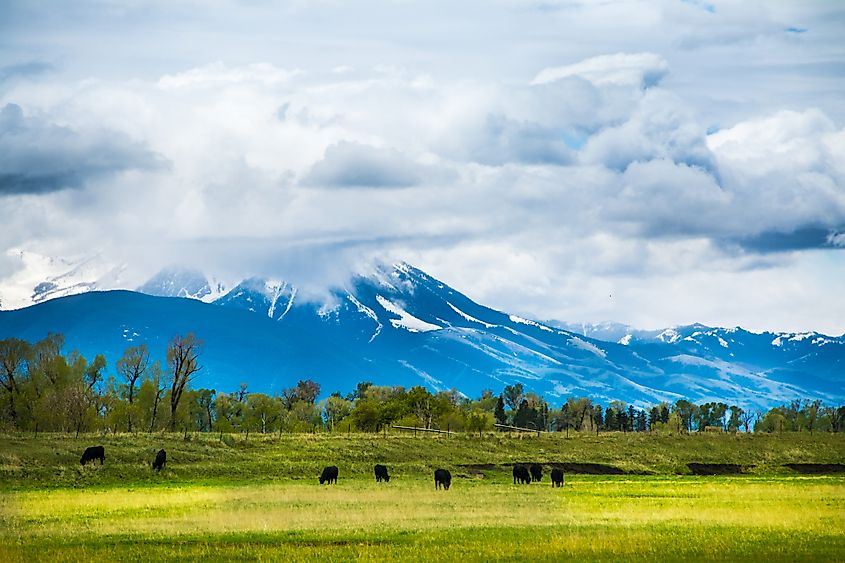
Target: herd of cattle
[(522, 474)]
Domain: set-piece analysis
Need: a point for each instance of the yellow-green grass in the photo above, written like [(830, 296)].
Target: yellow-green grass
[(748, 518), (52, 460)]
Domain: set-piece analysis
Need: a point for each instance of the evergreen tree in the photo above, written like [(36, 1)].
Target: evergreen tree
[(631, 418), (664, 412), (611, 419), (513, 395), (499, 412), (642, 421), (597, 417), (524, 415), (653, 417)]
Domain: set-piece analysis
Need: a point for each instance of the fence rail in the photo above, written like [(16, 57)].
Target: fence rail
[(505, 426), (416, 428)]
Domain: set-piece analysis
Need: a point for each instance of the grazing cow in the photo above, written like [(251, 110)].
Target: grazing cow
[(381, 474), (92, 453), (557, 477), (536, 472), (442, 477), (329, 475), (160, 461), (520, 475)]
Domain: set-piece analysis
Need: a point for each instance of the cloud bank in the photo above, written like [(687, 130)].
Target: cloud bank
[(583, 184)]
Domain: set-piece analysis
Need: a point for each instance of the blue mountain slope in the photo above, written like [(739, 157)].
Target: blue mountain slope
[(399, 326), (239, 345)]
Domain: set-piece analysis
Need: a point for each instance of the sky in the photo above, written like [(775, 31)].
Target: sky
[(654, 163)]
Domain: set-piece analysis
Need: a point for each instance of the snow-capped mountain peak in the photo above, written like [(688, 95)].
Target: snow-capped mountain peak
[(396, 325), (183, 282), (38, 278), (273, 298)]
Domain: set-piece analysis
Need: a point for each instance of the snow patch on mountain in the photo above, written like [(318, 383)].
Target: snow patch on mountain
[(431, 381), (274, 291), (578, 343), (523, 321), (129, 335), (406, 320), (470, 318), (669, 336), (368, 312)]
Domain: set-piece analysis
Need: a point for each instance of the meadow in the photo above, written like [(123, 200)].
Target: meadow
[(234, 498)]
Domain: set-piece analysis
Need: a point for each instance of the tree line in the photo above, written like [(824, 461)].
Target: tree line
[(45, 390)]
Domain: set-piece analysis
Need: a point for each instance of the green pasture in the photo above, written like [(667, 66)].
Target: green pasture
[(259, 499)]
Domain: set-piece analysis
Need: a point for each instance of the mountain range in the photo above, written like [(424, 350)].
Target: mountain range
[(396, 325)]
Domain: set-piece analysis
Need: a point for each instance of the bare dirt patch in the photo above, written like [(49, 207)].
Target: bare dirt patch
[(715, 468), (815, 468)]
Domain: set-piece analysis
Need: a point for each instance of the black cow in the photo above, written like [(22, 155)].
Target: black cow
[(520, 475), (329, 475), (161, 460), (92, 453), (442, 477), (381, 474), (536, 472), (557, 477)]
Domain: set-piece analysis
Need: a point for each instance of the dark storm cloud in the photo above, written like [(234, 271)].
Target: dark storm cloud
[(38, 157), (353, 165), (803, 238)]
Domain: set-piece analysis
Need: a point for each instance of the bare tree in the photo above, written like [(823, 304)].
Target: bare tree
[(747, 417), (132, 366), (811, 412), (14, 353), (835, 415), (183, 361), (289, 396), (205, 400), (242, 392)]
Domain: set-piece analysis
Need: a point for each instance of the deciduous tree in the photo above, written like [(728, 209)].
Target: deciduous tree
[(14, 354), (183, 360), (132, 366)]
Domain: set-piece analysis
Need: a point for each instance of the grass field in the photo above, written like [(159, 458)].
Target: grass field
[(259, 499)]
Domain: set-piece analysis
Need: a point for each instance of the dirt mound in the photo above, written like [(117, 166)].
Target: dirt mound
[(477, 468), (714, 468), (816, 467)]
